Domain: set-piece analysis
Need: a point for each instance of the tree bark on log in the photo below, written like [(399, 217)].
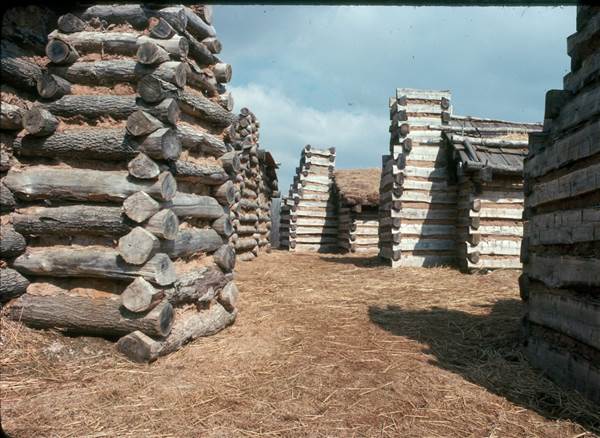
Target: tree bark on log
[(51, 86), (116, 71), (12, 243), (140, 296), (90, 316), (72, 220), (86, 185), (140, 206), (7, 199), (138, 246), (196, 206), (17, 71), (198, 51), (163, 224), (208, 174), (12, 284), (204, 109), (191, 241), (197, 27), (11, 117), (101, 144), (205, 12), (134, 14), (198, 141), (224, 257), (189, 326), (202, 80), (143, 167), (39, 122), (195, 287), (121, 43), (92, 107), (94, 262)]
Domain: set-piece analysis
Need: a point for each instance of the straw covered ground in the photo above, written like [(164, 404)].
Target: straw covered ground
[(324, 345)]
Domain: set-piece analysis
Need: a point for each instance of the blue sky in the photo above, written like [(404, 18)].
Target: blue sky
[(322, 75)]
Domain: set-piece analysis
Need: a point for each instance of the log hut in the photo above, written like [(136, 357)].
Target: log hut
[(116, 176), (488, 171), (560, 284), (417, 201), (356, 192), (255, 185), (308, 214)]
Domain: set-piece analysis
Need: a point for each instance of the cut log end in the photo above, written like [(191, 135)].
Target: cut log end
[(137, 246), (140, 296), (140, 206), (143, 167), (39, 122)]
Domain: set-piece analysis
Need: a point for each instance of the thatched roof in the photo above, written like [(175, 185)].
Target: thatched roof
[(358, 186)]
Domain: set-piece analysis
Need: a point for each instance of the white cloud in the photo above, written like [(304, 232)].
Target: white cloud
[(286, 126)]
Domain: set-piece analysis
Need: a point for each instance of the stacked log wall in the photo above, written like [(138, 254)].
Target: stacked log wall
[(118, 178), (255, 186), (308, 215), (560, 284), (417, 203), (358, 229)]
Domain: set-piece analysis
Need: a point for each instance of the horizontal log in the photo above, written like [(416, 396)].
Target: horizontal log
[(51, 86), (12, 243), (119, 43), (204, 109), (12, 284), (40, 182), (564, 271), (112, 72), (192, 241), (196, 287), (187, 327), (566, 312), (578, 145), (564, 227), (90, 316), (93, 262), (17, 71), (575, 183), (92, 107), (101, 144), (200, 173), (198, 141), (196, 206)]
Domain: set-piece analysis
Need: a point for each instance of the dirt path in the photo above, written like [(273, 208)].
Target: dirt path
[(323, 346)]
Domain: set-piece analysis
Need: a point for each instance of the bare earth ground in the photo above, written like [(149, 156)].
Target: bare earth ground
[(324, 345)]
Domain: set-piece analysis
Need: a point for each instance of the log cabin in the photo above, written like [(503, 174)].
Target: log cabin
[(356, 193), (308, 215), (487, 157), (121, 168), (560, 284)]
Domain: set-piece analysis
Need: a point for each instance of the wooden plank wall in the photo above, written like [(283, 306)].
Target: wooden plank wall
[(417, 204), (560, 284)]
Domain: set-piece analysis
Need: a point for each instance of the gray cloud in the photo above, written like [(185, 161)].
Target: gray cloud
[(342, 63)]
